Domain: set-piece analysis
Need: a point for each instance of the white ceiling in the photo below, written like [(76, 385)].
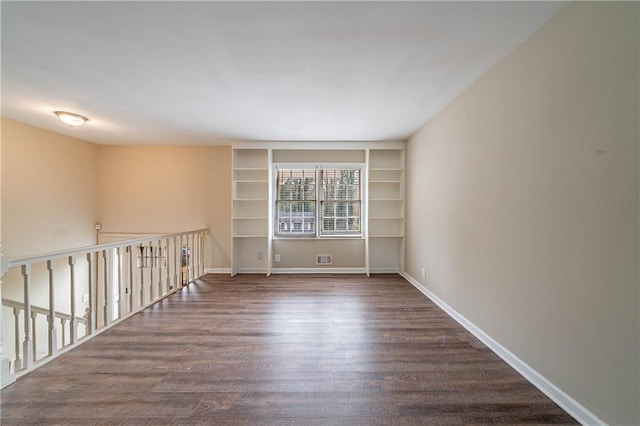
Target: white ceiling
[(206, 72)]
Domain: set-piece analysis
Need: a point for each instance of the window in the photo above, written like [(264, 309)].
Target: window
[(296, 202), (341, 201), (318, 202)]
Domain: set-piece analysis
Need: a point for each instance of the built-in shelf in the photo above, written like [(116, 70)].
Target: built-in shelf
[(253, 241), (250, 207), (385, 249)]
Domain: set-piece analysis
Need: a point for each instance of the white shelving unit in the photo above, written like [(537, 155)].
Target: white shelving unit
[(250, 232), (385, 249), (253, 208)]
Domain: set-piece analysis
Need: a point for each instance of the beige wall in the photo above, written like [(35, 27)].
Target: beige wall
[(160, 189), (49, 203), (523, 205), (49, 190), (347, 253)]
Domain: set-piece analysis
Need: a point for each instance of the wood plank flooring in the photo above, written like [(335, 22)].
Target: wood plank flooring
[(286, 350)]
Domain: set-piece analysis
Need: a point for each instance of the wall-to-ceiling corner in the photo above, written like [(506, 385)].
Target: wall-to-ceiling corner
[(522, 205), (49, 190)]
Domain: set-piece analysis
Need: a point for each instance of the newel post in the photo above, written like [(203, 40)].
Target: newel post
[(6, 376)]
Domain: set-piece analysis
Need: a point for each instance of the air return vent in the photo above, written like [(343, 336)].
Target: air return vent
[(324, 259)]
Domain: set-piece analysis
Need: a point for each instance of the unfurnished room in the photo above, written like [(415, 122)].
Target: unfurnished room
[(320, 213)]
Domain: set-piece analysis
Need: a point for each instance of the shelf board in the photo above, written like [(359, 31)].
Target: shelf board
[(250, 168), (386, 236), (251, 236), (386, 181), (251, 180), (385, 199), (385, 169), (386, 218), (250, 199)]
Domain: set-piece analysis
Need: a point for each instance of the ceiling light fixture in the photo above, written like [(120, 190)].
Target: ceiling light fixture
[(71, 119)]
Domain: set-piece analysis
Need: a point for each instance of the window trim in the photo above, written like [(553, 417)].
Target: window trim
[(318, 167)]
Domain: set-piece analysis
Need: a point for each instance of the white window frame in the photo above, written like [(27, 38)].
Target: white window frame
[(318, 167)]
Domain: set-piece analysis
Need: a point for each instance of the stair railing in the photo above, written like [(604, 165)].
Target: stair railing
[(86, 291)]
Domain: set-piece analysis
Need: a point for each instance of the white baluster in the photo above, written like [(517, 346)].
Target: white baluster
[(188, 259), (27, 345), (202, 254), (150, 266), (53, 338), (159, 262), (107, 294), (121, 298), (191, 257), (196, 255), (130, 250), (176, 253), (72, 286), (90, 310), (63, 323), (142, 249), (181, 274), (150, 272), (166, 261), (16, 323), (6, 376), (34, 323)]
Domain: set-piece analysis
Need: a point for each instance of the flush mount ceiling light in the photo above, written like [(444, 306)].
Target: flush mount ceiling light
[(71, 119)]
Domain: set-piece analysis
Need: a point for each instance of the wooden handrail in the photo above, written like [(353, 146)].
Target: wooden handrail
[(38, 310), (91, 249)]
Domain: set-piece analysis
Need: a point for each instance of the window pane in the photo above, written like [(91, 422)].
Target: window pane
[(296, 217), (341, 184), (296, 184), (341, 201), (341, 217), (340, 207), (296, 207)]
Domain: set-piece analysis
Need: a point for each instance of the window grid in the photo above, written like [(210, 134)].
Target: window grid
[(296, 205), (340, 201), (339, 209)]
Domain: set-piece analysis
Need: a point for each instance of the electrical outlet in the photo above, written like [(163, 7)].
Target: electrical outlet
[(424, 272), (277, 258), (85, 297), (259, 255)]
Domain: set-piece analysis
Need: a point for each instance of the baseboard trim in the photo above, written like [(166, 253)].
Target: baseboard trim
[(319, 270), (217, 270), (384, 270), (557, 395), (251, 271)]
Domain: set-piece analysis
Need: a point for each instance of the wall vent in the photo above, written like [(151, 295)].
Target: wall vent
[(324, 259)]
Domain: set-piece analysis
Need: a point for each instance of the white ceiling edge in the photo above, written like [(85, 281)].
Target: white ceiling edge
[(112, 129), (312, 145)]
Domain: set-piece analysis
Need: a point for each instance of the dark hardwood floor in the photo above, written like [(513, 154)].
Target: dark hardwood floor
[(286, 350)]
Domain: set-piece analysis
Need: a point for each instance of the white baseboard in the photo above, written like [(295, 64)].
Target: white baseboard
[(557, 395), (251, 271), (319, 270), (384, 270), (217, 270), (304, 271)]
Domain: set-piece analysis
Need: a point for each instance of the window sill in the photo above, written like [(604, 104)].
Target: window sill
[(322, 237)]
